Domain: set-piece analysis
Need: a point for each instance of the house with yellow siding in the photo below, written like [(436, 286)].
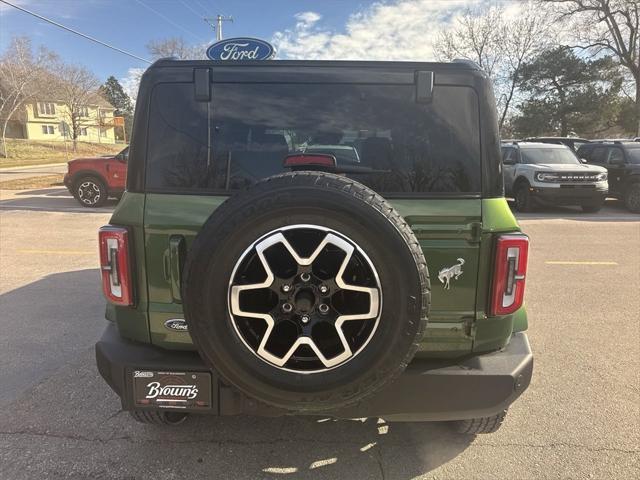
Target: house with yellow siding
[(49, 120)]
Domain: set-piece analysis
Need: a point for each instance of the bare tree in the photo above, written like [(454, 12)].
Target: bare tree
[(606, 26), (474, 37), (76, 88), (21, 76), (175, 47), (500, 42)]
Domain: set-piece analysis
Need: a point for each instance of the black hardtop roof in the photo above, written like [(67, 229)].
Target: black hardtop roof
[(624, 143), (455, 65)]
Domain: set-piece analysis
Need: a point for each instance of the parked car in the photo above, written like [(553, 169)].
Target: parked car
[(551, 174), (92, 180), (572, 142), (622, 160), (237, 287)]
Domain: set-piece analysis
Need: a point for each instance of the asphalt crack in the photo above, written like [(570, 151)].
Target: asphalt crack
[(555, 445)]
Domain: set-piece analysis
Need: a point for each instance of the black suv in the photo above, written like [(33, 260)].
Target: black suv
[(622, 160)]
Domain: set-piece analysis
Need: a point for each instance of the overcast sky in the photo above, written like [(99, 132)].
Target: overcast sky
[(336, 29)]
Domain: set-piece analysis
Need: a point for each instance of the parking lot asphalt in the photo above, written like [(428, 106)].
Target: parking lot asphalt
[(579, 419)]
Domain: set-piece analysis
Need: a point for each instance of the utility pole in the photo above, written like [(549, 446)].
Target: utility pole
[(217, 27)]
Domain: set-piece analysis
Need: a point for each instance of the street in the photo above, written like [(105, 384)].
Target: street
[(580, 418), (21, 173)]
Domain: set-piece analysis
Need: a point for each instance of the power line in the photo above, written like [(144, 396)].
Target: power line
[(200, 5), (167, 19), (195, 12), (59, 25)]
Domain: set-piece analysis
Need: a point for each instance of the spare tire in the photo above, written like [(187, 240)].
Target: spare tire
[(308, 291)]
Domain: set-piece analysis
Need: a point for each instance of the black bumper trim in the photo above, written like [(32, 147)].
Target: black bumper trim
[(567, 196), (478, 386)]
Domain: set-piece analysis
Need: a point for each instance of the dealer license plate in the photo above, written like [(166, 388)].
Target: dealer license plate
[(175, 390)]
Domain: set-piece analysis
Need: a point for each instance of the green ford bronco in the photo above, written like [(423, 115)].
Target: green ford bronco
[(310, 237)]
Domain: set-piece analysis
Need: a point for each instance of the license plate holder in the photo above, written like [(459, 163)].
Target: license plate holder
[(154, 389)]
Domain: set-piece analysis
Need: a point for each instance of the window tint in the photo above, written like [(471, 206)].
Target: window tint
[(509, 155), (599, 155), (633, 154), (379, 135), (178, 149), (616, 155)]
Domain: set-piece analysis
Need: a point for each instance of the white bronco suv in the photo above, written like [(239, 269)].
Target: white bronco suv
[(542, 173)]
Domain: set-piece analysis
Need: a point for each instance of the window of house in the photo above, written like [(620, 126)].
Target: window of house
[(83, 131), (46, 108), (83, 111), (103, 132), (47, 129)]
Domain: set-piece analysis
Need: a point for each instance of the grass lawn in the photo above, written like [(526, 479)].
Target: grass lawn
[(33, 182), (34, 152)]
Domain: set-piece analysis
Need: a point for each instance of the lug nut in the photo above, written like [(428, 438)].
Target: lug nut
[(286, 288), (324, 289), (305, 277), (287, 307), (305, 318), (323, 308)]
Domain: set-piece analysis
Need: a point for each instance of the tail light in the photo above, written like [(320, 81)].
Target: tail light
[(510, 270), (298, 160), (117, 283)]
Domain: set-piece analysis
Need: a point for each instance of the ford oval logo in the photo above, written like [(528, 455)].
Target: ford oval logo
[(177, 325), (243, 48)]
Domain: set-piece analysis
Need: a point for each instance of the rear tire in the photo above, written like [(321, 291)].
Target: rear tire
[(475, 426), (90, 192), (151, 417), (232, 330), (632, 198)]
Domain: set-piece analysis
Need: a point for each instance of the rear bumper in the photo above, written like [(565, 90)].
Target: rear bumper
[(477, 386)]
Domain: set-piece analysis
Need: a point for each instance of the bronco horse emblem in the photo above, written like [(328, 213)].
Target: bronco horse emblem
[(446, 274)]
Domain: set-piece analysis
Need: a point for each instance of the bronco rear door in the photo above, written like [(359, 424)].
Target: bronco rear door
[(412, 134)]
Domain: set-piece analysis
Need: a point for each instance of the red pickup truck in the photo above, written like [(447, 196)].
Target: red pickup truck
[(92, 180)]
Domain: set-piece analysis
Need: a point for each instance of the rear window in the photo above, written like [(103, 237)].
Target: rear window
[(395, 144)]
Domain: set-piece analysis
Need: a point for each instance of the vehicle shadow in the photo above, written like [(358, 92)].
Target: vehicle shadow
[(612, 211), (63, 414), (56, 199)]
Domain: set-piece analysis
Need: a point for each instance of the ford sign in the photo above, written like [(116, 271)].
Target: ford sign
[(241, 49)]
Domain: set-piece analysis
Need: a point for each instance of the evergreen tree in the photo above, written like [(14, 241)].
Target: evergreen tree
[(567, 93), (115, 94)]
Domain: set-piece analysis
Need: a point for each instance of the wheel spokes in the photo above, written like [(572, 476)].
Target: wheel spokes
[(306, 337)]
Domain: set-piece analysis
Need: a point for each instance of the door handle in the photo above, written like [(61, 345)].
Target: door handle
[(177, 250)]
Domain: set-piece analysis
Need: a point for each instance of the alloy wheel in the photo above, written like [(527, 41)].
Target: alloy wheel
[(89, 192), (305, 298)]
